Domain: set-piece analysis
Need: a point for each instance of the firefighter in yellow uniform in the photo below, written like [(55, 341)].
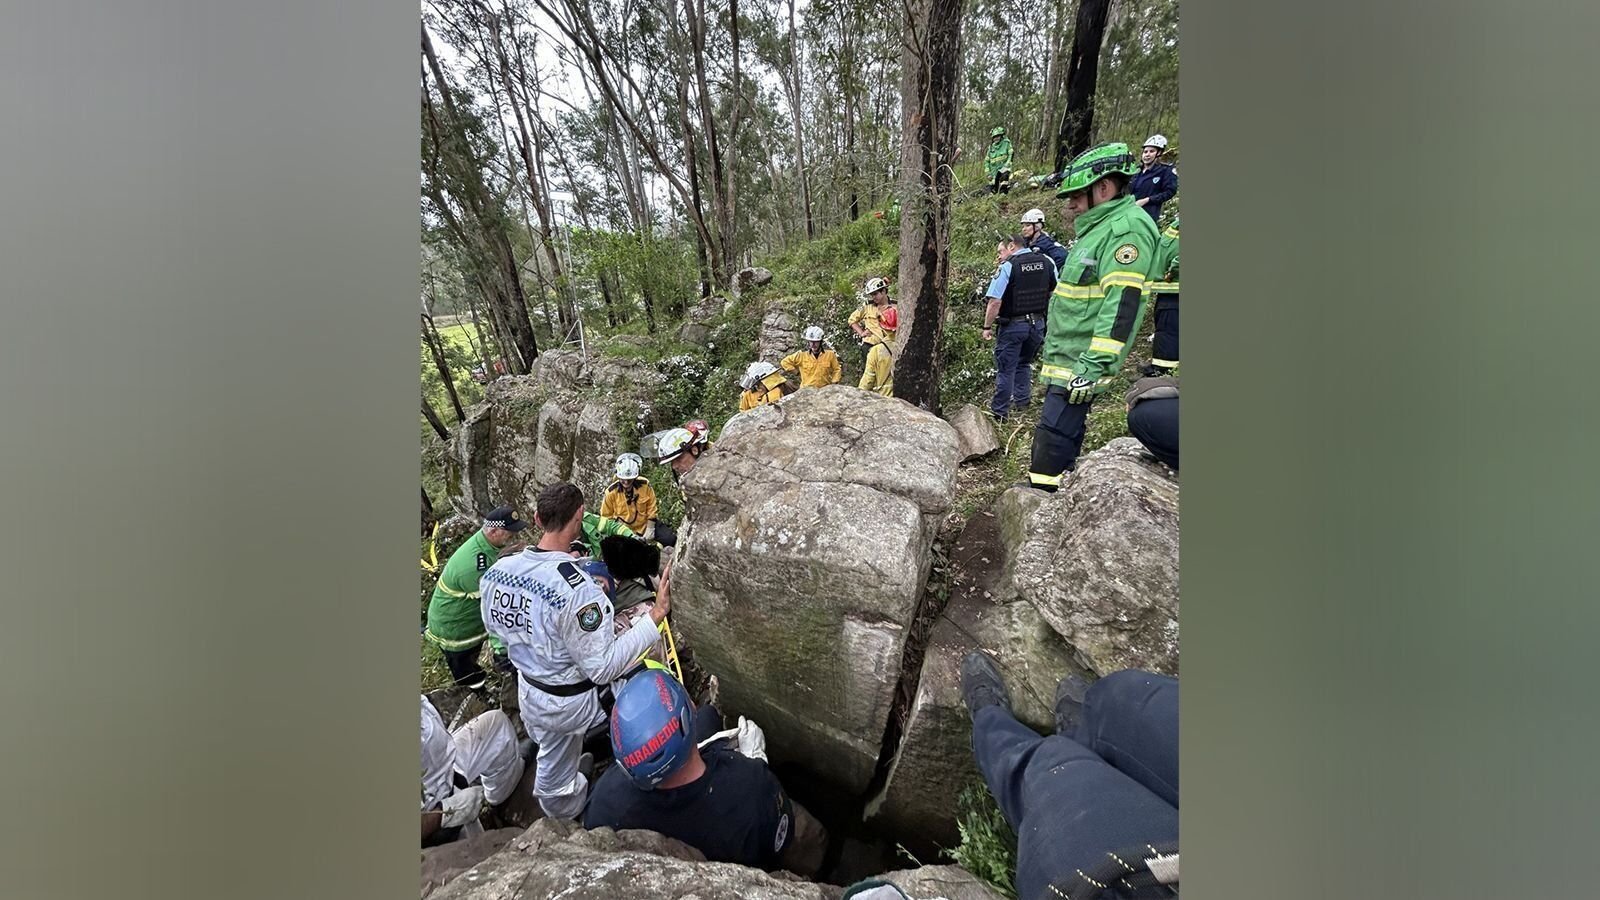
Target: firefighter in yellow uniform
[(818, 365), (879, 374), (762, 384), (868, 324), (632, 501), (1097, 305)]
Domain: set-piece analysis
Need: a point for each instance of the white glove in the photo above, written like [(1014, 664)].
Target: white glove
[(752, 740), (462, 807), (649, 531)]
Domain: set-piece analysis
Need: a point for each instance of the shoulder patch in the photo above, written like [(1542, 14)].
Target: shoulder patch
[(783, 833), (483, 561), (1126, 254), (572, 575), (589, 617)]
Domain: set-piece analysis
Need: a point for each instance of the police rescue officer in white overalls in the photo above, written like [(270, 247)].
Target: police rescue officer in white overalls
[(556, 625)]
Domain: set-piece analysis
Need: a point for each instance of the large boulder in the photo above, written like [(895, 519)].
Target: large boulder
[(976, 432), (467, 468), (559, 859), (802, 562), (1099, 558), (554, 432), (934, 762), (441, 864), (696, 333), (745, 279), (594, 450), (558, 369), (943, 882)]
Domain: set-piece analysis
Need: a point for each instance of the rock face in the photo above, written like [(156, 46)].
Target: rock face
[(802, 565), (1099, 559), (559, 859), (935, 758), (538, 429), (779, 336), (976, 432)]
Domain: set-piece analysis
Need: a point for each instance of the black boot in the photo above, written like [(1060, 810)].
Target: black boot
[(981, 684), (1069, 704)]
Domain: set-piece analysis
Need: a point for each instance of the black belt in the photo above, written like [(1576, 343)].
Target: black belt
[(561, 690), (1026, 317)]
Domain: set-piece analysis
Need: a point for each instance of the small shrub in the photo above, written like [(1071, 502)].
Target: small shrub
[(988, 847)]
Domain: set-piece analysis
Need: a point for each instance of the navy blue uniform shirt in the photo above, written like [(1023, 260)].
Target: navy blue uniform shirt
[(1159, 183)]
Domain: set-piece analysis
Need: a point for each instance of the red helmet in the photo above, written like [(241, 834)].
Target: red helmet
[(699, 428), (889, 319)]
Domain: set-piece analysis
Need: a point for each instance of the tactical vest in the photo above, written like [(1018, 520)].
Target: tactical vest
[(1028, 290)]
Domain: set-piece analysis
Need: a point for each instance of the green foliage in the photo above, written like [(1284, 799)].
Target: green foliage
[(435, 673), (988, 847)]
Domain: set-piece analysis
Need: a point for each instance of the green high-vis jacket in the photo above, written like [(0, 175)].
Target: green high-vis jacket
[(1165, 270), (454, 619), (999, 158), (1098, 302)]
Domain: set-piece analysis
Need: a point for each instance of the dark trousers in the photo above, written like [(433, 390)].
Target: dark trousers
[(1110, 787), (666, 535), (1057, 439), (1016, 344), (464, 666), (1164, 346), (999, 184), (1155, 424)]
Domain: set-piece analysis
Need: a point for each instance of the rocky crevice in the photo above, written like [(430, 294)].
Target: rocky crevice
[(935, 596)]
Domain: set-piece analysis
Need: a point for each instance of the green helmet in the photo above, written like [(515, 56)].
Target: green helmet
[(1096, 163), (998, 131)]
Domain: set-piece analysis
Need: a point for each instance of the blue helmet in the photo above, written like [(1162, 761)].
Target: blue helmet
[(595, 568), (652, 728)]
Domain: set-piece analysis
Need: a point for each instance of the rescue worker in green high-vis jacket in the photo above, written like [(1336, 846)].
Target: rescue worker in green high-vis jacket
[(455, 623), (1097, 305), (997, 163), (1164, 343)]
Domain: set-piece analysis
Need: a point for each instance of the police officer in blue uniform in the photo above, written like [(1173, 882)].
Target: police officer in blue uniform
[(1156, 182)]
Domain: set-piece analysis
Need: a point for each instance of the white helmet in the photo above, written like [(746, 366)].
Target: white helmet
[(670, 445), (628, 465), (1033, 217), (757, 371), (813, 333), (1156, 141), (875, 285)]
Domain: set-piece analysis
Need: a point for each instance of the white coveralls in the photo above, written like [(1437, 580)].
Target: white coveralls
[(484, 748), (557, 628)]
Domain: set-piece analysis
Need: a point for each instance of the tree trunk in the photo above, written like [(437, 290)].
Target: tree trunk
[(850, 124), (1053, 80), (433, 419), (929, 89), (489, 243), (428, 517), (430, 336), (792, 88), (590, 45), (531, 151), (483, 339), (1077, 124)]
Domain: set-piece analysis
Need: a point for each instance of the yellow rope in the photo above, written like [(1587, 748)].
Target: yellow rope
[(431, 564)]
